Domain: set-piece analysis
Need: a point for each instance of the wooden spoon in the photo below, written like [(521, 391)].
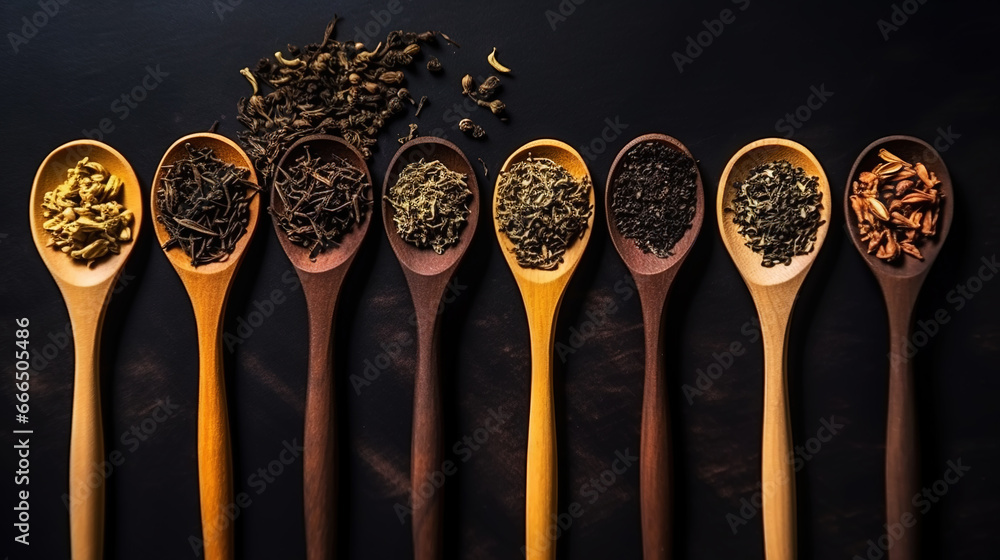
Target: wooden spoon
[(653, 276), (542, 291), (900, 282), (86, 291), (428, 273), (208, 287), (773, 290), (321, 282)]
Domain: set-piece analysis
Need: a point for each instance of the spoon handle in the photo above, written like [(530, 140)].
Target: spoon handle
[(86, 442), (777, 473), (654, 449), (901, 458), (215, 463), (426, 451), (320, 444), (540, 490)]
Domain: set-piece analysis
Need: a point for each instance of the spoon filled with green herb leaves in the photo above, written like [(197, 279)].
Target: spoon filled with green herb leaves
[(430, 210), (774, 211)]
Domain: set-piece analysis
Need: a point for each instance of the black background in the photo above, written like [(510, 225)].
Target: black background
[(604, 61)]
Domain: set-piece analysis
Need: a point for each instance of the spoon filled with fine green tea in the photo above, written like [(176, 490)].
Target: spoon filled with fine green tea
[(86, 212), (899, 208), (774, 211), (205, 207), (321, 206), (543, 213), (430, 210), (655, 207)]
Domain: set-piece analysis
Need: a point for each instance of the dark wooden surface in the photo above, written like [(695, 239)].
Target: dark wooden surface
[(606, 66)]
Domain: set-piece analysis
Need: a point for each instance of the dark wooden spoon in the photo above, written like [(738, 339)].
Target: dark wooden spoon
[(653, 276), (900, 282), (427, 274), (321, 282)]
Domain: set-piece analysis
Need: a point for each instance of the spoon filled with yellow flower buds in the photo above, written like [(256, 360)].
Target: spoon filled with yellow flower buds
[(86, 210), (898, 207)]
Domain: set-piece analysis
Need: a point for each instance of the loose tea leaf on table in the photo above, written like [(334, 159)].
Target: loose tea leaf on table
[(430, 205), (204, 204), (542, 209), (84, 218), (326, 88), (777, 209), (655, 197), (320, 201)]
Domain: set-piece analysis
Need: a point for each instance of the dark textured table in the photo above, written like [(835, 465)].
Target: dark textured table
[(594, 74)]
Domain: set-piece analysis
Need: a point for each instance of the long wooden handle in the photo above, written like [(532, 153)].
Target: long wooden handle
[(540, 490), (86, 444), (320, 448), (901, 458), (777, 473), (427, 451), (654, 450), (215, 463)]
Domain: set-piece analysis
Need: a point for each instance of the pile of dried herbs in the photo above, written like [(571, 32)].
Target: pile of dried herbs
[(897, 205), (655, 197), (777, 209), (542, 209), (84, 218), (430, 205), (326, 88), (204, 204), (320, 201)]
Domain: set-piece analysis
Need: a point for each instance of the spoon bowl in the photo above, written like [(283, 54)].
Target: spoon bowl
[(86, 291), (427, 274), (653, 277), (774, 291), (738, 169), (321, 281), (900, 282), (208, 288), (542, 292)]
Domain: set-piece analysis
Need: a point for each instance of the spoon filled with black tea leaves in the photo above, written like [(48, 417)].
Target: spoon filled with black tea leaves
[(321, 205), (898, 205), (655, 206)]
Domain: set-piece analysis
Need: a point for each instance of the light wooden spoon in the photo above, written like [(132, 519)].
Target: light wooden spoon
[(653, 277), (321, 283), (900, 282), (542, 291), (428, 273), (208, 287), (86, 292), (774, 290)]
